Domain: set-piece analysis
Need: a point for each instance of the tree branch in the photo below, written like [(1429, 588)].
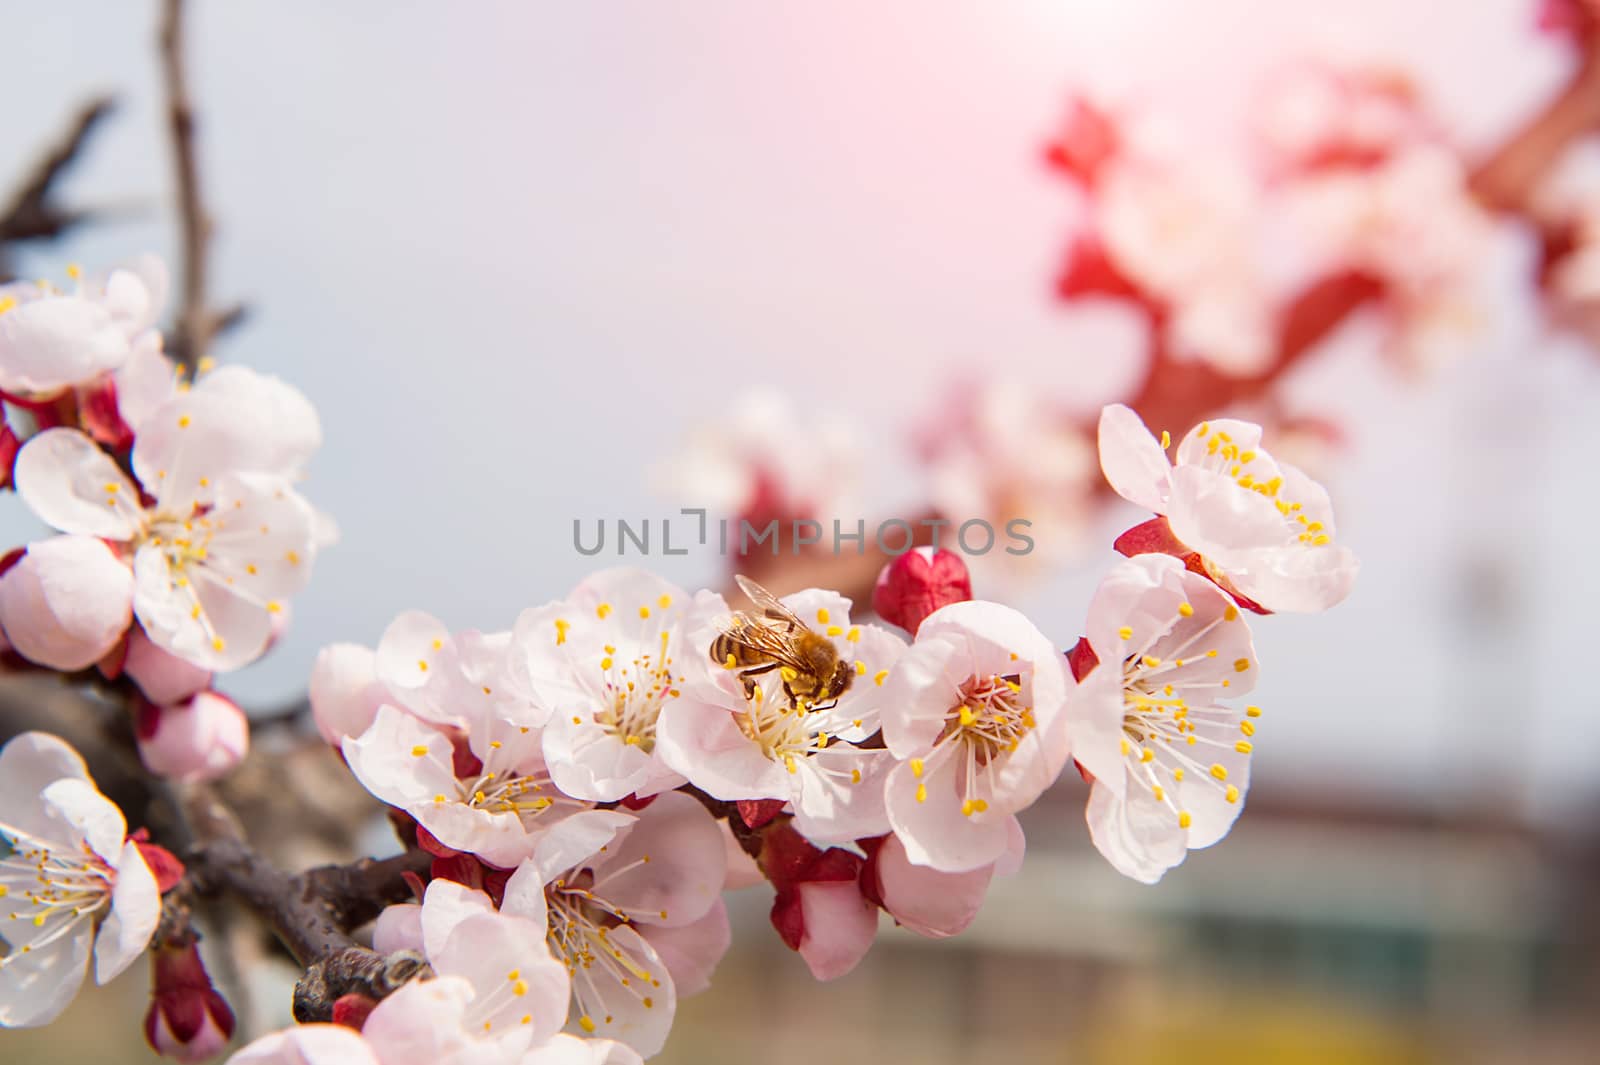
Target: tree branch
[(196, 323), (32, 211)]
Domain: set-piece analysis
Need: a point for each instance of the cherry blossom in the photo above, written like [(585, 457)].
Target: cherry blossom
[(762, 747), (635, 917), (973, 711), (72, 881), (607, 659), (1169, 758), (1262, 528), (345, 691), (164, 678), (488, 793), (214, 553), (52, 340)]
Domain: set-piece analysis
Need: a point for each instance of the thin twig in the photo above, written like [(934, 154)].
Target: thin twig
[(32, 211), (196, 322)]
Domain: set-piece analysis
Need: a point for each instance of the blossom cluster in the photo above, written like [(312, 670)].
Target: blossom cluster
[(178, 532), (587, 784), (1354, 187), (591, 781)]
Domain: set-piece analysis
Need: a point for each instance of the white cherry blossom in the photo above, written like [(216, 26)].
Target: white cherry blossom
[(71, 882), (1170, 758)]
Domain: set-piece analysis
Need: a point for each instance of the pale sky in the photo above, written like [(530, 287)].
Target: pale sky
[(512, 252)]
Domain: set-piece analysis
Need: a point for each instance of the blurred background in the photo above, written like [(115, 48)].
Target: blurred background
[(517, 255)]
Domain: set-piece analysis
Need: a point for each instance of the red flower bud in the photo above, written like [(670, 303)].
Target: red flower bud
[(919, 582), (187, 1020), (352, 1010)]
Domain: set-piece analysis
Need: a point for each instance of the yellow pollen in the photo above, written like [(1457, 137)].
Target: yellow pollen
[(251, 569), (1158, 793), (1151, 661), (1232, 794), (603, 611), (217, 644), (1186, 610), (1231, 614), (1177, 774), (880, 676), (854, 635), (293, 558), (922, 793), (1205, 427), (1243, 747), (586, 1022), (855, 776), (834, 630), (274, 607), (861, 668), (968, 718), (644, 612), (1126, 632), (1247, 727), (419, 750), (1252, 711), (1241, 665), (1124, 746), (422, 664), (519, 988), (1219, 771), (649, 1003), (438, 798), (183, 422), (822, 616), (1166, 440), (605, 663), (1147, 755), (916, 767), (1184, 820), (664, 602)]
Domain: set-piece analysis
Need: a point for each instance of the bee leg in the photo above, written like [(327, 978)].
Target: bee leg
[(747, 677)]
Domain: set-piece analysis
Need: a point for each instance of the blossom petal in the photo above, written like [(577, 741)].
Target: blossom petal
[(135, 912), (67, 602), (691, 951), (35, 990), (840, 926), (933, 829), (928, 902), (705, 744), (93, 818), (1136, 834), (498, 954), (1132, 459), (74, 486), (669, 866), (308, 1044), (29, 763), (53, 342)]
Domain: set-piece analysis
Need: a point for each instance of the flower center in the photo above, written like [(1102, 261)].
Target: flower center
[(991, 718), (634, 691), (1171, 727), (1247, 468), (52, 892), (581, 925)]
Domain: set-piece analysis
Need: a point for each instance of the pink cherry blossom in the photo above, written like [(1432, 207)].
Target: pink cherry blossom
[(1170, 759), (52, 340), (607, 659), (66, 603), (655, 879), (764, 748), (73, 880), (213, 555), (202, 738), (928, 902), (974, 714), (1263, 528)]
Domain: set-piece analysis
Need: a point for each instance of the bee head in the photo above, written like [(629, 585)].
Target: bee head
[(843, 674)]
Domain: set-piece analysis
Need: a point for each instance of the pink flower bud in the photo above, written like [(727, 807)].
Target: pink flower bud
[(188, 1020), (198, 740), (919, 582), (925, 900), (345, 691), (67, 602), (819, 909), (164, 678)]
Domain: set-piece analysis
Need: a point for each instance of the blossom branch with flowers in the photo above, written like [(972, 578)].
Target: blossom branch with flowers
[(573, 796)]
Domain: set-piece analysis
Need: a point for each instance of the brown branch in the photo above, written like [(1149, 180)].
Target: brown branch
[(33, 211), (197, 323)]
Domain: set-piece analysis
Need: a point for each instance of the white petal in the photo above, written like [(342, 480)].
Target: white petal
[(94, 818), (36, 988), (1132, 459), (50, 343), (135, 912), (308, 1044), (74, 486), (29, 763)]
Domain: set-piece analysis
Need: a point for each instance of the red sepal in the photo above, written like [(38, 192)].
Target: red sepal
[(1082, 659), (165, 866), (758, 812), (353, 1009)]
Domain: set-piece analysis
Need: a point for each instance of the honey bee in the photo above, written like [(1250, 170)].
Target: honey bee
[(776, 638)]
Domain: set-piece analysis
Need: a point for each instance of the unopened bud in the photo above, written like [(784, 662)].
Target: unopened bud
[(188, 1020), (197, 740), (919, 582)]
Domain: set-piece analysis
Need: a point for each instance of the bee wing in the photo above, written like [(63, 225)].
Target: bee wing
[(768, 602), (764, 637)]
